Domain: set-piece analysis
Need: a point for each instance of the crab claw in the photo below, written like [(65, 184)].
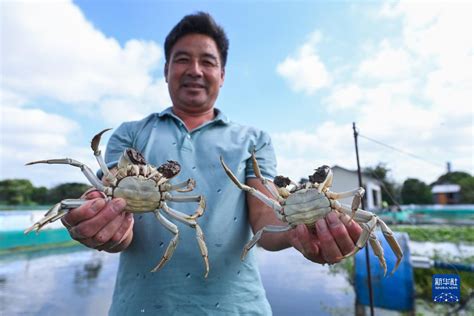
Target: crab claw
[(35, 162), (323, 176), (169, 169), (96, 140)]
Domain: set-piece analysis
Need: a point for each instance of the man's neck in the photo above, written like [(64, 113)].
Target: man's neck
[(193, 120)]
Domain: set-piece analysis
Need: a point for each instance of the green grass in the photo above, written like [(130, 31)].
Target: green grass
[(454, 234), (423, 277), (23, 249)]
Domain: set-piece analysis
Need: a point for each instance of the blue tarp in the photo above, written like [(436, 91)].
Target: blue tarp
[(394, 292)]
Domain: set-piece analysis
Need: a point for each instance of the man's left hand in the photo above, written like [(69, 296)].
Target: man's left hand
[(333, 237)]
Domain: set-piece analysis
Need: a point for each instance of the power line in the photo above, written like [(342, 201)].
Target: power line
[(382, 184), (402, 151)]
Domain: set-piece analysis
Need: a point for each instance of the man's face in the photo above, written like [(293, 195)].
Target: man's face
[(194, 73)]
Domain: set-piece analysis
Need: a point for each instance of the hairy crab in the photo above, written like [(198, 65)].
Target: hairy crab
[(305, 204), (145, 189)]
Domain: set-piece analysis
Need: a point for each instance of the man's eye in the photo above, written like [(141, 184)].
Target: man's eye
[(209, 63), (181, 60)]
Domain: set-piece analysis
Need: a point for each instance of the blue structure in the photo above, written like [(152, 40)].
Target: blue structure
[(394, 292)]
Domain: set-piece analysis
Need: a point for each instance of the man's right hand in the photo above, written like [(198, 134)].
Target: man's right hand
[(100, 224)]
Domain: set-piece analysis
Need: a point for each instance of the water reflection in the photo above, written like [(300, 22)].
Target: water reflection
[(297, 286), (86, 276), (80, 282), (75, 281), (62, 283)]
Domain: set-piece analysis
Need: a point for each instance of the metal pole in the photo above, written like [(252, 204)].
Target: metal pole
[(359, 174)]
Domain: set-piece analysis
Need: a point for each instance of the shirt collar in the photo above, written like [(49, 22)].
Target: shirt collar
[(219, 118)]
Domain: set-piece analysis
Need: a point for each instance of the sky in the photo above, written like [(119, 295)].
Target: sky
[(303, 71)]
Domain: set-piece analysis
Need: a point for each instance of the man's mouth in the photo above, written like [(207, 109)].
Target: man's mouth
[(193, 85)]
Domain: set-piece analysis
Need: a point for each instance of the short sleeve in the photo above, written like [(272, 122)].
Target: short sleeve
[(120, 140), (265, 155)]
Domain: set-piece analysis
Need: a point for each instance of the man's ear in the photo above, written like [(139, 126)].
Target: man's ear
[(166, 72), (222, 76)]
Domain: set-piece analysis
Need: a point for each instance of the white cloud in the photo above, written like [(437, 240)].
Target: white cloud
[(344, 96), (50, 53), (50, 49), (115, 110), (300, 152), (29, 126), (412, 91), (387, 63), (32, 134), (305, 72)]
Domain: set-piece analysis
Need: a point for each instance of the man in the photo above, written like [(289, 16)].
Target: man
[(195, 133)]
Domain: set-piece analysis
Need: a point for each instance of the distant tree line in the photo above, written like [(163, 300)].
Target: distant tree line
[(415, 191), (412, 191), (22, 192)]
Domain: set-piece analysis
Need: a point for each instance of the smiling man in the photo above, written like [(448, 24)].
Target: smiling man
[(195, 133), (194, 73)]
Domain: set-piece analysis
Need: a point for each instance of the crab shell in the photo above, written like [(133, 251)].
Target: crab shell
[(139, 183), (305, 206), (141, 194)]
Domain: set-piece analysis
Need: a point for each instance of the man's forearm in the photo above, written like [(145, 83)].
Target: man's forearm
[(261, 215)]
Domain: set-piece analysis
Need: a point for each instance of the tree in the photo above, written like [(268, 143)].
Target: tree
[(16, 191), (390, 190), (40, 195), (415, 191), (467, 190), (71, 190), (464, 179), (452, 177)]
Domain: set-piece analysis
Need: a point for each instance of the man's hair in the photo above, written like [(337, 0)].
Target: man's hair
[(198, 23)]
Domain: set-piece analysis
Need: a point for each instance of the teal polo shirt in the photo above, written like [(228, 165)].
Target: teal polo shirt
[(179, 288)]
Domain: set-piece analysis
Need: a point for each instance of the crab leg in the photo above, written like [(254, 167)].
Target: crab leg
[(54, 213), (262, 197), (388, 234), (173, 243), (327, 183), (271, 188), (367, 221), (98, 155), (189, 198), (356, 193), (185, 186), (367, 229), (361, 217), (84, 168), (199, 234), (378, 251), (258, 235)]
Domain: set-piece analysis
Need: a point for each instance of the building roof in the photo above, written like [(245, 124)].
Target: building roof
[(365, 175), (446, 188)]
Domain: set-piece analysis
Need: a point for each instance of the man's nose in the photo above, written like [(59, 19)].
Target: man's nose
[(194, 69)]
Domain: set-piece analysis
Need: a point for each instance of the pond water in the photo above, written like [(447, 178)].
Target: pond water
[(77, 281), (80, 282)]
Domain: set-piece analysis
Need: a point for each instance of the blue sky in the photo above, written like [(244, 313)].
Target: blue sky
[(301, 70)]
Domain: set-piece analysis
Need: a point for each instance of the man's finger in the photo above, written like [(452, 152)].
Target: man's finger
[(121, 234), (352, 227), (104, 236), (92, 193), (83, 212), (339, 232), (306, 243), (328, 246), (90, 227), (295, 239)]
